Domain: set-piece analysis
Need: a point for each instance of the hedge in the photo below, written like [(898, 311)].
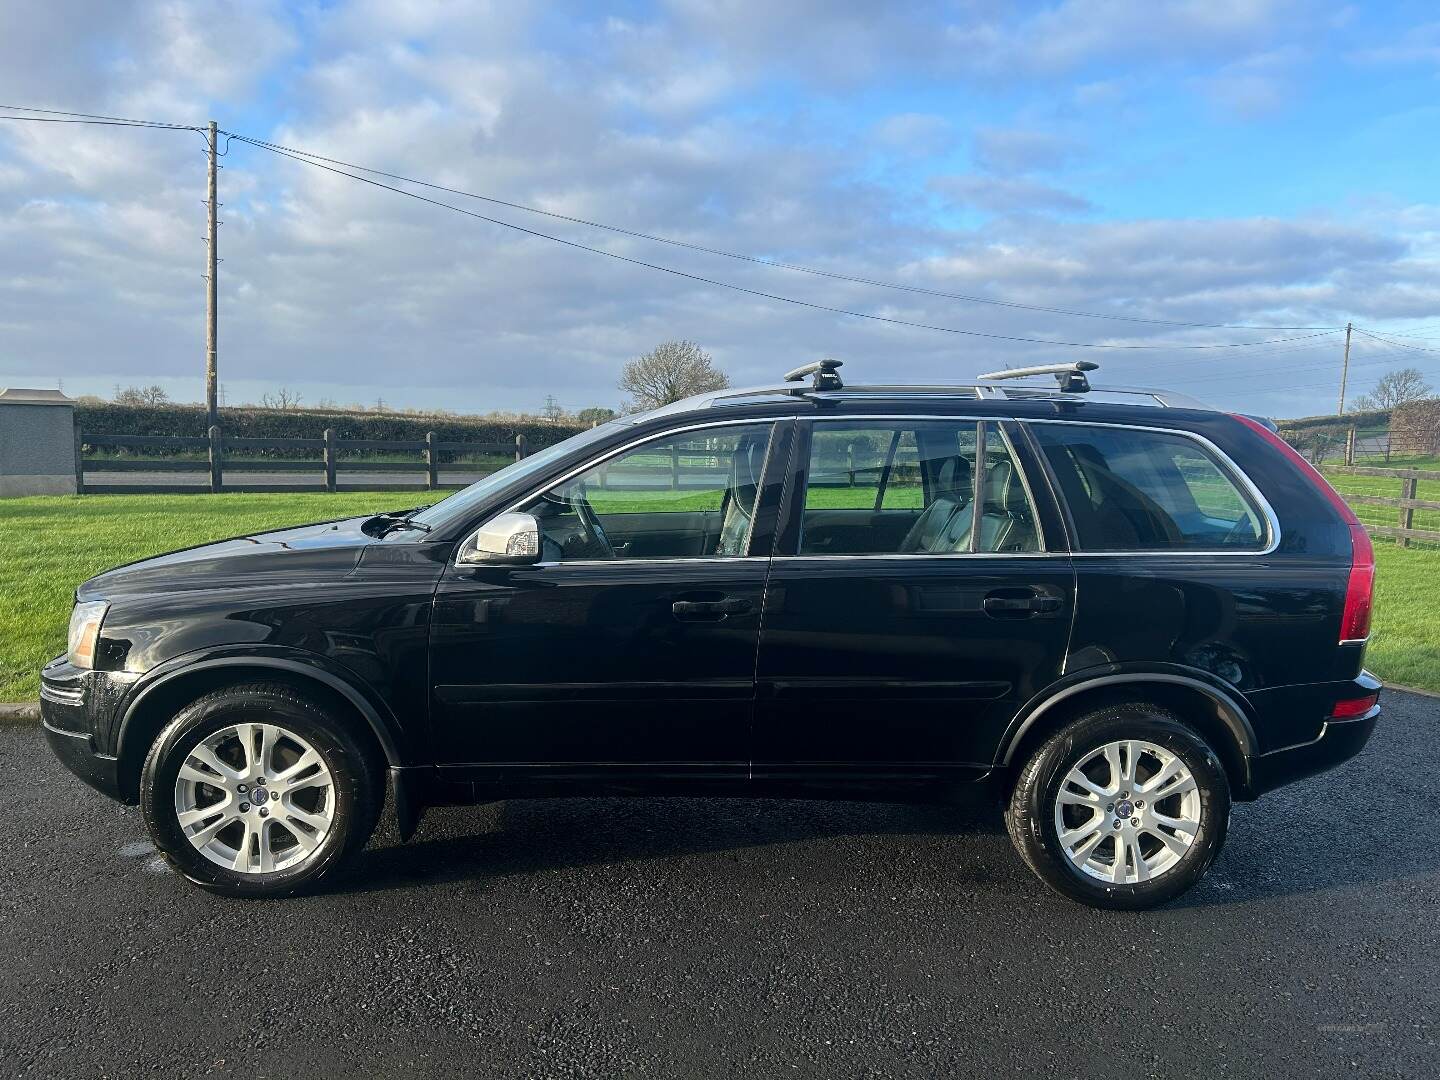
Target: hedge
[(106, 419), (1376, 418)]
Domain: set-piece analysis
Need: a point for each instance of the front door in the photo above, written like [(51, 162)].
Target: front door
[(629, 649), (912, 604)]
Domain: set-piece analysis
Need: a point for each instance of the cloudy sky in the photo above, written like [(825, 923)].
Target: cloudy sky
[(1266, 163)]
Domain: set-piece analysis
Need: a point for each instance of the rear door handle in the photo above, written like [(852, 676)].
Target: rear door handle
[(710, 610), (1021, 604)]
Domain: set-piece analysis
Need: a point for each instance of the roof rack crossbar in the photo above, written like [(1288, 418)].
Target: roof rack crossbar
[(823, 371), (1070, 377)]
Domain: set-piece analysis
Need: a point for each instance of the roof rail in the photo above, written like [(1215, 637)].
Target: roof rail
[(1070, 377)]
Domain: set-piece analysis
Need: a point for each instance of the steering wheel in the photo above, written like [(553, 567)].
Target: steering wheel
[(589, 521)]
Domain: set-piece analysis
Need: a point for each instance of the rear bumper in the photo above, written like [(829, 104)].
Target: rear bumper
[(1337, 743)]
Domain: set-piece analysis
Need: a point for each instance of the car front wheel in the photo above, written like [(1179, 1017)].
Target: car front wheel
[(256, 791), (1124, 808)]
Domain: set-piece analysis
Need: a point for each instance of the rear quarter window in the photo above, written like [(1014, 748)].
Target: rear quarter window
[(1130, 489)]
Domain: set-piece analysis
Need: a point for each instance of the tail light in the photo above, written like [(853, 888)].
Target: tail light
[(1360, 588)]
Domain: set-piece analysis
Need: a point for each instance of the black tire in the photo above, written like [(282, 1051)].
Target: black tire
[(1030, 816), (358, 788)]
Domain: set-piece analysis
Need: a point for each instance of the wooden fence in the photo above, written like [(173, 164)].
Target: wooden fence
[(1405, 505), (329, 468)]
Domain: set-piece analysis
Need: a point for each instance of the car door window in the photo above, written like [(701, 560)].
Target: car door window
[(914, 488), (690, 495), (1131, 489)]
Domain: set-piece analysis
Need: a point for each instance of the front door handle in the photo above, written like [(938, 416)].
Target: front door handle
[(1020, 603), (710, 610)]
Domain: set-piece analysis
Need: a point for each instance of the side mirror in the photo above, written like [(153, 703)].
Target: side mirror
[(507, 540)]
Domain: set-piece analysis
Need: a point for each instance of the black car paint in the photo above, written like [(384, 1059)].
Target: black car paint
[(868, 673)]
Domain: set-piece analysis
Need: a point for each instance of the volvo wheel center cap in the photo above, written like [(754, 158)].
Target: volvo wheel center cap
[(1124, 808)]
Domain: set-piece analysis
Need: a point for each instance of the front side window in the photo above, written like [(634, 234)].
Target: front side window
[(690, 495), (922, 487), (1136, 490)]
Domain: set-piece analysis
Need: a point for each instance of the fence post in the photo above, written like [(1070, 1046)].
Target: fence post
[(216, 468), (1350, 446), (432, 476), (519, 447), (1408, 487), (674, 466), (850, 461), (79, 461), (330, 459)]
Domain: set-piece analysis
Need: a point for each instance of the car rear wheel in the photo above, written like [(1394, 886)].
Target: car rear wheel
[(256, 791), (1124, 808)]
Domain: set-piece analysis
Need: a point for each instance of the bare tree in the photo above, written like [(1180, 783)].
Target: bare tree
[(283, 399), (671, 371), (1395, 388), (141, 395)]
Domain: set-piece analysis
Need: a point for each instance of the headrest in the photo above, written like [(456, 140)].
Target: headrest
[(953, 481)]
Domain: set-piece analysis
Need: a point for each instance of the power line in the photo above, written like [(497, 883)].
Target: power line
[(762, 261), (59, 116), (757, 292), (1397, 344)]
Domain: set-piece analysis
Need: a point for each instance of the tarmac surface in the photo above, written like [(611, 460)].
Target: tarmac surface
[(708, 937)]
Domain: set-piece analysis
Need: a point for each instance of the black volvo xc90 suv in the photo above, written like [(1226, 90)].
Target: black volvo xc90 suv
[(1112, 610)]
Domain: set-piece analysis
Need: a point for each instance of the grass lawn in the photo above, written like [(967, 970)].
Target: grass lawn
[(51, 544)]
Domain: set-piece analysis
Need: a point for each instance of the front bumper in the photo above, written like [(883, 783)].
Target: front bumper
[(77, 708)]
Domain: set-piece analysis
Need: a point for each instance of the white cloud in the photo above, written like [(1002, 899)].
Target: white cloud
[(350, 292), (1007, 195)]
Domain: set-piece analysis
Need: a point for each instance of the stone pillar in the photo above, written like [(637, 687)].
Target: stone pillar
[(37, 443)]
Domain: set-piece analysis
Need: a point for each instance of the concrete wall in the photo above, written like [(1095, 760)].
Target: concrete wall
[(37, 443)]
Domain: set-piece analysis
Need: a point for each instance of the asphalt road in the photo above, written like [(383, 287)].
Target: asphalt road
[(698, 938)]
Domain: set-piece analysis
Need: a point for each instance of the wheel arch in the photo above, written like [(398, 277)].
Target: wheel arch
[(158, 699), (1217, 714)]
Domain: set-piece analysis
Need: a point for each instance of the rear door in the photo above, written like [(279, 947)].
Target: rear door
[(910, 611)]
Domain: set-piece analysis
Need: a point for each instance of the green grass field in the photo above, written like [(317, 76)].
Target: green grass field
[(1388, 488), (51, 544)]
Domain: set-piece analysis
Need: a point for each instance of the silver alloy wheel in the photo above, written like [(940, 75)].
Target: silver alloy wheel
[(1127, 812), (255, 798)]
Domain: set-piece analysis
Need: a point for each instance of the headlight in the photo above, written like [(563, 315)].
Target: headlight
[(85, 632)]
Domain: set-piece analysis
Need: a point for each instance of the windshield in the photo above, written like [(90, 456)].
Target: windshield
[(466, 499)]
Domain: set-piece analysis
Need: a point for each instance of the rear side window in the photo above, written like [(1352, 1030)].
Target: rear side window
[(1131, 490), (920, 487)]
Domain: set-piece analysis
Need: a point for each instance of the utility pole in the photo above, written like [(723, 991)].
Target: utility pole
[(212, 416), (1345, 369)]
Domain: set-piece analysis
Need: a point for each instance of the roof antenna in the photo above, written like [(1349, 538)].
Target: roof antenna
[(1071, 376), (826, 378)]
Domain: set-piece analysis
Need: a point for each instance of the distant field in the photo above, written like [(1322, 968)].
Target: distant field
[(51, 544)]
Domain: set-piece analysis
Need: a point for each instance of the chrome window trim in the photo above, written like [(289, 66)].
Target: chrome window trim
[(948, 556), (1235, 473), (754, 421), (999, 424)]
